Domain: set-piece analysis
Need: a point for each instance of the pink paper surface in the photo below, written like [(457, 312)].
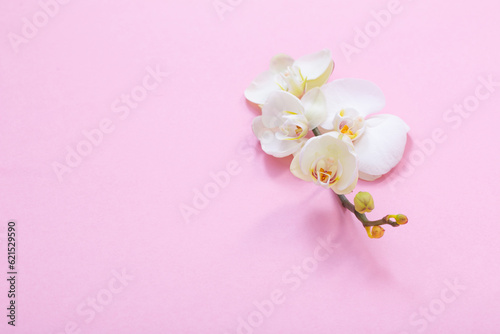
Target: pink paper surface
[(103, 246)]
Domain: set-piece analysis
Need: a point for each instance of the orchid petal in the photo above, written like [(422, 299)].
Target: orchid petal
[(361, 95), (349, 160), (322, 79), (281, 62), (381, 146), (262, 86), (314, 103), (368, 177), (315, 65), (271, 144), (277, 103), (297, 171), (333, 147)]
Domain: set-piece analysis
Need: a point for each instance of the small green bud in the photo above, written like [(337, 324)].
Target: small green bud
[(363, 202), (401, 219)]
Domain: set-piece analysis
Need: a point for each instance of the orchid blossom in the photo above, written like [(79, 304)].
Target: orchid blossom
[(296, 100), (286, 121), (379, 141), (293, 76), (328, 160)]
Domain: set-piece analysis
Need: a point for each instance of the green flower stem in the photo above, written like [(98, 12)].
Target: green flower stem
[(316, 132), (361, 216)]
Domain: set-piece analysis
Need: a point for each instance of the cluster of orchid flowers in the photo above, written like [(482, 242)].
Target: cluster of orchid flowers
[(327, 129)]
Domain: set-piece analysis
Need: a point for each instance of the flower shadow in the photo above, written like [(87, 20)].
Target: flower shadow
[(253, 107), (273, 166), (353, 252)]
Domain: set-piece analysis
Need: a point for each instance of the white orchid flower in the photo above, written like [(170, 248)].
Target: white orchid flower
[(286, 121), (293, 76), (328, 160), (380, 140)]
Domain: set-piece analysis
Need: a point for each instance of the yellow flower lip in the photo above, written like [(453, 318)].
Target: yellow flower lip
[(294, 127), (349, 122), (324, 177), (299, 132), (347, 130), (325, 171), (291, 80)]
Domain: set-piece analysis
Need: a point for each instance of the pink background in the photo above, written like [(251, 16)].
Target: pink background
[(120, 208)]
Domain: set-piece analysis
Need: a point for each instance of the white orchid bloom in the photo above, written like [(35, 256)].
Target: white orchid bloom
[(293, 76), (380, 140), (328, 160), (286, 121)]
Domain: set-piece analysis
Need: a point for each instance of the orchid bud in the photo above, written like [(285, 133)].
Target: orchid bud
[(377, 232), (363, 202), (374, 232), (401, 219)]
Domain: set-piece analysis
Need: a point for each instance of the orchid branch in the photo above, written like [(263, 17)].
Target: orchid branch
[(377, 232), (362, 217)]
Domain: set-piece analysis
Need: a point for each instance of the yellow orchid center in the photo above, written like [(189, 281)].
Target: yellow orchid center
[(346, 130), (292, 81), (293, 131), (350, 123), (325, 171)]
